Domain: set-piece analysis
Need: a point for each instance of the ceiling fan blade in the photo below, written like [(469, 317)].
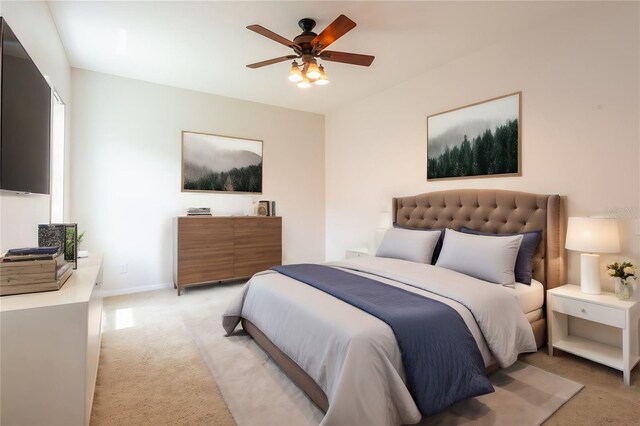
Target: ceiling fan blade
[(347, 58), (273, 36), (271, 61), (334, 31)]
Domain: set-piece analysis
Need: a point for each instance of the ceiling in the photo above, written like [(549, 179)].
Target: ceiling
[(205, 46)]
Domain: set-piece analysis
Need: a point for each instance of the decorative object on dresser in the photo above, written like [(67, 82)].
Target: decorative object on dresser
[(569, 301), (624, 275), (214, 249), (477, 140), (33, 270), (199, 211), (266, 208), (263, 208), (49, 352), (63, 236), (214, 163), (82, 253), (592, 235)]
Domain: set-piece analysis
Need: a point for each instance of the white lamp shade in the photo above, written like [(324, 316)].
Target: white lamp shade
[(593, 235), (384, 220)]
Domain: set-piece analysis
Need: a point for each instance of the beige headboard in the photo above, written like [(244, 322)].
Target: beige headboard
[(496, 211)]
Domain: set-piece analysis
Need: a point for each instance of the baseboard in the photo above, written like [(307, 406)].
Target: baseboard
[(131, 290)]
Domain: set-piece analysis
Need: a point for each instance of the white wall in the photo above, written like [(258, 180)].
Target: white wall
[(579, 79), (34, 27), (126, 167)]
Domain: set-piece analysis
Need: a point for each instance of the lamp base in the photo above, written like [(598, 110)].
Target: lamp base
[(590, 273)]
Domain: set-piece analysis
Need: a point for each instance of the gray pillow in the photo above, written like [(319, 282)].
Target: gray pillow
[(487, 258), (436, 251), (528, 247), (415, 246)]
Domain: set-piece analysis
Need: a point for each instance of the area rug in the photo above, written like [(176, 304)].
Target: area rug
[(258, 393), (525, 395)]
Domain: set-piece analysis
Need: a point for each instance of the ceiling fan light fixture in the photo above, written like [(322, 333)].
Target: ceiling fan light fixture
[(304, 83), (308, 47), (313, 72), (323, 79), (295, 74)]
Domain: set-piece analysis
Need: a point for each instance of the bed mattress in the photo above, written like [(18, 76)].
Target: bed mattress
[(530, 298)]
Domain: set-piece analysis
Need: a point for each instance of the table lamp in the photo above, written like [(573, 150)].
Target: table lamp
[(384, 223), (591, 235)]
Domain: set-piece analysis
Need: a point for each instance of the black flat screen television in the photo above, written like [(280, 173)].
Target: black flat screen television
[(25, 108)]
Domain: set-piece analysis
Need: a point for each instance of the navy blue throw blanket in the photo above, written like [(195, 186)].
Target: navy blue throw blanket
[(441, 359)]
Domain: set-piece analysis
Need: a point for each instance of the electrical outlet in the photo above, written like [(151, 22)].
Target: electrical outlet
[(123, 268)]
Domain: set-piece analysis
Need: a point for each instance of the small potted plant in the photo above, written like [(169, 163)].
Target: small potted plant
[(623, 274)]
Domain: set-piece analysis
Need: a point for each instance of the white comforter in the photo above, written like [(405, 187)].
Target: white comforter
[(354, 356)]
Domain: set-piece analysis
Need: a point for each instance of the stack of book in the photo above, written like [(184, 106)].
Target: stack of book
[(199, 211), (33, 270)]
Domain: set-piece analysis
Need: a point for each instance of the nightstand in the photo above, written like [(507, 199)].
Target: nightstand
[(356, 252), (568, 301)]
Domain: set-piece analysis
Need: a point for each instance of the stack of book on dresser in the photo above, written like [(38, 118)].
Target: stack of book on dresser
[(31, 270), (199, 211)]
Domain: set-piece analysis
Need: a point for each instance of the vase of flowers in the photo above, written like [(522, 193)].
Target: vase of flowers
[(624, 274)]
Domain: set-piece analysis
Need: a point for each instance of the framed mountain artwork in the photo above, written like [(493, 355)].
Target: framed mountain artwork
[(214, 163), (479, 140)]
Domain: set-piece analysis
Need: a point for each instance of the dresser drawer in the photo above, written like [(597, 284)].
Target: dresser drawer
[(589, 311)]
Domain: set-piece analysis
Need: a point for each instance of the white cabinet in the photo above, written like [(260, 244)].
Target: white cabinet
[(568, 301), (49, 348)]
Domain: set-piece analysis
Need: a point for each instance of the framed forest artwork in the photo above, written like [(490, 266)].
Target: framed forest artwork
[(479, 140), (214, 163)]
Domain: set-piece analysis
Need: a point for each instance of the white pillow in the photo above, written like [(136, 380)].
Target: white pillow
[(485, 257), (415, 246)]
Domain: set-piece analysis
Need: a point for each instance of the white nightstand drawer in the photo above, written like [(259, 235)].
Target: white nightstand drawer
[(589, 311)]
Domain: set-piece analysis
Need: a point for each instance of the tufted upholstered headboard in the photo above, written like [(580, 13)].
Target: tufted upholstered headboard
[(496, 211)]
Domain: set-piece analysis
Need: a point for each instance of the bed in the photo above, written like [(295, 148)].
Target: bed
[(311, 346)]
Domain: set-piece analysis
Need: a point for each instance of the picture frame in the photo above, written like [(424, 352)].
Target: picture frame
[(479, 140), (264, 208), (221, 164), (61, 235)]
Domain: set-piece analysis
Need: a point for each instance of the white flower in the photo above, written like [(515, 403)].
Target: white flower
[(629, 270), (611, 272)]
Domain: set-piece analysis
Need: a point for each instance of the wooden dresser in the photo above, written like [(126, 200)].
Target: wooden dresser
[(212, 249)]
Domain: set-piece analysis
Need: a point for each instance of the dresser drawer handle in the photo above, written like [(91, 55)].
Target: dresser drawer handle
[(583, 310)]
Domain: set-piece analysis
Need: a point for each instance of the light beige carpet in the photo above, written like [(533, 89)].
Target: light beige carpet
[(162, 358), (150, 370)]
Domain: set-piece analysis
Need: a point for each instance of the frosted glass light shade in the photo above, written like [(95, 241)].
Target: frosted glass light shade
[(313, 72), (323, 79), (304, 83), (593, 235), (295, 74), (384, 220)]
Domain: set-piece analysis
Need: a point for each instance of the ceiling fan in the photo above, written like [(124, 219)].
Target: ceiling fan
[(309, 47)]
